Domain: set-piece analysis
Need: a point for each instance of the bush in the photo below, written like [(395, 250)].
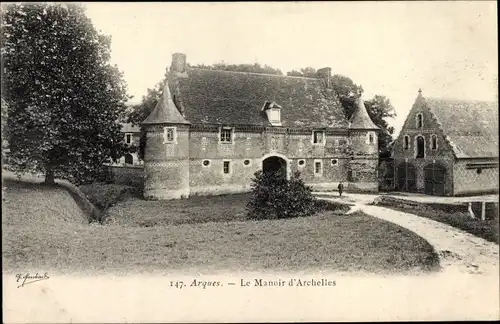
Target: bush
[(104, 195), (275, 197)]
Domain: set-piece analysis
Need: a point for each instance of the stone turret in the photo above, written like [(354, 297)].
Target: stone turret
[(364, 142), (166, 160)]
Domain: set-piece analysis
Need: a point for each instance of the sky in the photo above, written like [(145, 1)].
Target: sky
[(448, 49)]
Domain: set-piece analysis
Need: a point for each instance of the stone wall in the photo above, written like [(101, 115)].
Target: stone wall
[(194, 165), (166, 166), (248, 150), (363, 166), (442, 155), (469, 181)]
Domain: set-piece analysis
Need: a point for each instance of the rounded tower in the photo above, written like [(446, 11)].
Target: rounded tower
[(363, 165), (166, 154)]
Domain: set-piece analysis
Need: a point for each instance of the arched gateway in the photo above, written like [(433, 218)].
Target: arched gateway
[(275, 163)]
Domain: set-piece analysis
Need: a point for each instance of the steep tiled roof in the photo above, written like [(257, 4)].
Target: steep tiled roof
[(237, 98), (165, 111), (129, 128), (471, 127), (360, 118)]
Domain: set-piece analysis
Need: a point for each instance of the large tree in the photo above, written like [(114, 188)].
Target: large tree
[(380, 109), (64, 98), (139, 112)]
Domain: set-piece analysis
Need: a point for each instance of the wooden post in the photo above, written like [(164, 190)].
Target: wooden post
[(471, 212), (483, 210)]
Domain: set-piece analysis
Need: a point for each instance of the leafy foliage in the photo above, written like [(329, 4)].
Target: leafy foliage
[(379, 109), (138, 113), (275, 197), (307, 72), (104, 195), (254, 68), (64, 98)]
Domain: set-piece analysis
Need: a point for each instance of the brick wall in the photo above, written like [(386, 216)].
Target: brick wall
[(194, 166), (166, 166), (363, 167), (469, 181)]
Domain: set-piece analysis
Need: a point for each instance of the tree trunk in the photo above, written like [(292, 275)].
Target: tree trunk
[(49, 177)]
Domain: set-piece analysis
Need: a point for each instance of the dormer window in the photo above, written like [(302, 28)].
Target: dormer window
[(318, 137), (273, 112), (275, 116)]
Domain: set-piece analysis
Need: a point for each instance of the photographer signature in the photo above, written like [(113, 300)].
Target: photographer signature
[(26, 279)]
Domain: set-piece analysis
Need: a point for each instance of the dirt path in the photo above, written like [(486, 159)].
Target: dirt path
[(458, 251)]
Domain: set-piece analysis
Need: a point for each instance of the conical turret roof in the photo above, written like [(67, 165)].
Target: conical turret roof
[(165, 111), (360, 118)]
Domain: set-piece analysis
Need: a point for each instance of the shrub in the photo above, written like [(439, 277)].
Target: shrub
[(275, 197), (104, 195)]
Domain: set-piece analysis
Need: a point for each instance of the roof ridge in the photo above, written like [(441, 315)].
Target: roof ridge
[(460, 100), (255, 73)]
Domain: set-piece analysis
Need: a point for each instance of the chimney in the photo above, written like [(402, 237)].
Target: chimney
[(178, 62), (326, 75)]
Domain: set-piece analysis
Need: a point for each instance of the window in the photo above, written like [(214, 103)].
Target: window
[(302, 163), (420, 121), (129, 159), (318, 137), (275, 116), (226, 135), (371, 138), (420, 147), (406, 142), (334, 162), (246, 162), (128, 138), (226, 167), (318, 167), (434, 142), (479, 171), (206, 163), (169, 134)]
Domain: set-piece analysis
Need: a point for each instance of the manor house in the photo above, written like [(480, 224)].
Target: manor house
[(448, 147), (212, 130)]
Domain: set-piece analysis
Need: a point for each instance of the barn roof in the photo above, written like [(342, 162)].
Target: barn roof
[(236, 98), (471, 127)]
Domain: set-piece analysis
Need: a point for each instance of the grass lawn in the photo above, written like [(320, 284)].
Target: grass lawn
[(452, 215), (205, 233)]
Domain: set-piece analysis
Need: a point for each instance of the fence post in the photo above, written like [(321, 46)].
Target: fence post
[(483, 210), (471, 212)]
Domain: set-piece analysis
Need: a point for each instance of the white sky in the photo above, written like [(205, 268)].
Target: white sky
[(449, 49)]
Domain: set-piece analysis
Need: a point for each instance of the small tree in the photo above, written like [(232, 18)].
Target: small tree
[(64, 98), (275, 197)]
